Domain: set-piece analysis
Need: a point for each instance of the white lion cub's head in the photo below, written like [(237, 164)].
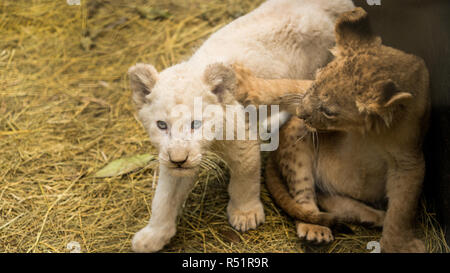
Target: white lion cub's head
[(176, 120)]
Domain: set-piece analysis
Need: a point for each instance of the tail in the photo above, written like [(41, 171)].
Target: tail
[(283, 199)]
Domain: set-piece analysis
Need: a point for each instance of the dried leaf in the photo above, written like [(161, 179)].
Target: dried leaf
[(230, 236), (125, 165)]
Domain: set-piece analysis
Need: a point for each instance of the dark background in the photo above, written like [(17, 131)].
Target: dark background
[(422, 27)]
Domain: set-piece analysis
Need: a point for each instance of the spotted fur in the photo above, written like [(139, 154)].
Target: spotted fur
[(365, 117)]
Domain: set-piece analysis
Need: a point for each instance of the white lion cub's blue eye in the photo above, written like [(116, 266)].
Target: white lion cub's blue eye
[(196, 124), (161, 125)]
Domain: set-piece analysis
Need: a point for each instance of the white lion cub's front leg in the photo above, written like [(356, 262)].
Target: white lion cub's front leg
[(245, 210), (171, 192)]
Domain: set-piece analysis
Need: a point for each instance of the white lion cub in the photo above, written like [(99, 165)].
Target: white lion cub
[(280, 39)]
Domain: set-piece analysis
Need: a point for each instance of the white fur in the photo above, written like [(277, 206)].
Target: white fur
[(280, 39)]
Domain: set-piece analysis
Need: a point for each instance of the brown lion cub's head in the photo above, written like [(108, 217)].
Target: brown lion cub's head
[(367, 86)]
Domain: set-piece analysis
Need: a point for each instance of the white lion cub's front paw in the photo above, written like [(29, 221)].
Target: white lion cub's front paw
[(246, 217), (151, 240)]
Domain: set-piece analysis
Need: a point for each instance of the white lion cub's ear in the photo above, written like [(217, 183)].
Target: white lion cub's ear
[(222, 80), (142, 79)]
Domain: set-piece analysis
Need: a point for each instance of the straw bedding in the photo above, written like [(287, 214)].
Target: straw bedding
[(65, 112)]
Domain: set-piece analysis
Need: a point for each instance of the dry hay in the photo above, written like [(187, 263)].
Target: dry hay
[(65, 112)]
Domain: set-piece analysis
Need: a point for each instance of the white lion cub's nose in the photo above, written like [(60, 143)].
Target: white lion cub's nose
[(178, 157)]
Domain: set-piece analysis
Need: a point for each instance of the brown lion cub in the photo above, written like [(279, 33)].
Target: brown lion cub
[(356, 141)]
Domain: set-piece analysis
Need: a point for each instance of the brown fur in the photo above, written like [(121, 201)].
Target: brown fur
[(369, 109)]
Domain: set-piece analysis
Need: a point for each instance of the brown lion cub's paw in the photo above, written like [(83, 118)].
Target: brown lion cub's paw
[(247, 97), (245, 91), (314, 233)]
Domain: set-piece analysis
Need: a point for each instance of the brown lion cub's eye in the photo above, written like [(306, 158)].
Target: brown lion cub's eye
[(327, 112), (196, 124), (161, 125)]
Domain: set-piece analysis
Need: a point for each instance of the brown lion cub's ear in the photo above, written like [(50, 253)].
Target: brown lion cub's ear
[(353, 30), (386, 96), (222, 80), (142, 79), (390, 95)]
